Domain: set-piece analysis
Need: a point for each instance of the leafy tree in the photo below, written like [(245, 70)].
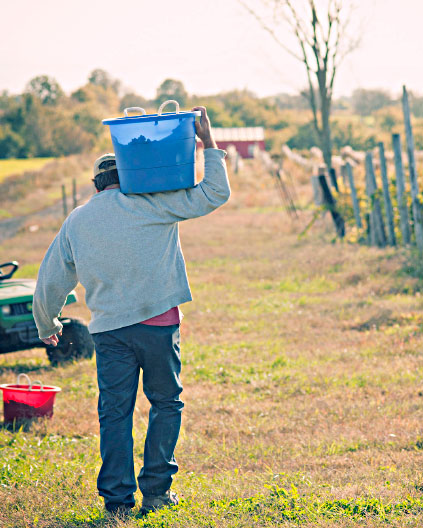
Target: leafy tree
[(46, 89), (105, 100), (99, 77), (364, 102), (11, 143), (88, 120), (343, 133), (172, 89), (81, 95), (359, 138), (295, 102), (14, 119), (132, 99), (219, 115), (245, 109), (69, 138), (5, 100), (14, 114), (389, 118), (305, 137), (38, 130)]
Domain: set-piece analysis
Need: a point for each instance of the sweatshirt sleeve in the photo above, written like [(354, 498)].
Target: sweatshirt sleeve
[(212, 192), (56, 279)]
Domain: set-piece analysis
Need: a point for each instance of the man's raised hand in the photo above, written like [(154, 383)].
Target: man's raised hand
[(203, 128)]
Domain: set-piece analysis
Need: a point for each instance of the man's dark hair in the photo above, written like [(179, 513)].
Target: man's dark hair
[(102, 180)]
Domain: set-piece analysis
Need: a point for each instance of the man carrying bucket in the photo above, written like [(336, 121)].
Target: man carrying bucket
[(125, 251)]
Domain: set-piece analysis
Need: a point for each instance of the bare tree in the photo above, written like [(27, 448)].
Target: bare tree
[(323, 40)]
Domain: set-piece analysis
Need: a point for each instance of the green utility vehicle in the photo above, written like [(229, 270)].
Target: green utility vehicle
[(17, 325)]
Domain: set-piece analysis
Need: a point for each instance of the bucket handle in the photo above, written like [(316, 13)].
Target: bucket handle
[(160, 110), (30, 384), (22, 375), (133, 109), (37, 382)]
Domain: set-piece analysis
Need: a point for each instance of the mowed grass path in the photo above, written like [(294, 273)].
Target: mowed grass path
[(302, 369)]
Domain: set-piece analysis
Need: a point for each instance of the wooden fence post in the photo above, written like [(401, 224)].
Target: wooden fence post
[(321, 171), (333, 179), (74, 196), (330, 202), (317, 191), (401, 197), (65, 205), (292, 184), (284, 192), (377, 228), (387, 197), (347, 170), (417, 207)]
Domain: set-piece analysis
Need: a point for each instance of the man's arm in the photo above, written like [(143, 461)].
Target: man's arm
[(56, 279), (208, 195)]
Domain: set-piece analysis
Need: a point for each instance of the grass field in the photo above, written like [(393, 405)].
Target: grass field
[(302, 372), (9, 167), (35, 184)]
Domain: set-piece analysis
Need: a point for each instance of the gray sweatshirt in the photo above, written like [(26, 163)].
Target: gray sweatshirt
[(125, 251)]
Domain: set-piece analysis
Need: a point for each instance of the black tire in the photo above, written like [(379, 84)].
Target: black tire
[(75, 343)]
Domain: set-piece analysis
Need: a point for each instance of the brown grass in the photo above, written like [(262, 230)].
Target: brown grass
[(302, 366)]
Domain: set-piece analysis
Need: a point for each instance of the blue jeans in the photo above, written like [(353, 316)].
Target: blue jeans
[(120, 355)]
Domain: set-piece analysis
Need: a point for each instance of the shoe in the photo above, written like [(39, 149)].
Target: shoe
[(157, 502), (119, 510)]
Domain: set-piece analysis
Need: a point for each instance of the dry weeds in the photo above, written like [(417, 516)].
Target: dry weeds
[(302, 372)]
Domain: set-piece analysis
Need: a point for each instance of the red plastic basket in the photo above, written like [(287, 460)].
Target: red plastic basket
[(31, 400)]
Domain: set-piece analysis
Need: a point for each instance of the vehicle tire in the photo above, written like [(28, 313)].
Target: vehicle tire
[(74, 343)]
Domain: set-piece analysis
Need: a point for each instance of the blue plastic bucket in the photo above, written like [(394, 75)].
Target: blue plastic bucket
[(154, 152)]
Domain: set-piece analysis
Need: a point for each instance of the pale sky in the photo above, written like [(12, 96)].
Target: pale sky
[(211, 46)]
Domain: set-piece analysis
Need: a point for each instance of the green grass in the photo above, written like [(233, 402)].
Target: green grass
[(300, 284), (278, 507), (9, 167), (5, 214), (302, 372), (51, 465)]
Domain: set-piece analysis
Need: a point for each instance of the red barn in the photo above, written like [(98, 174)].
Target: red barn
[(243, 139)]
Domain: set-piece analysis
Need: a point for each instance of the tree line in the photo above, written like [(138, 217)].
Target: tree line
[(43, 121)]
